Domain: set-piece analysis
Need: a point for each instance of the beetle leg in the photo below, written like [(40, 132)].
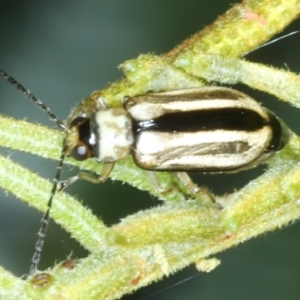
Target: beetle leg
[(188, 182), (186, 186), (106, 170), (195, 190), (156, 183)]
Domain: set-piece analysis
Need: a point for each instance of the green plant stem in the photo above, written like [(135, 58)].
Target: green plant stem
[(137, 251), (242, 29)]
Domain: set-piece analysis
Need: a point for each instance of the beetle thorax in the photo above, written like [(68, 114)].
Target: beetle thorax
[(113, 131)]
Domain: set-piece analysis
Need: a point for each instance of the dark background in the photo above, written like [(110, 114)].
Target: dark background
[(64, 50)]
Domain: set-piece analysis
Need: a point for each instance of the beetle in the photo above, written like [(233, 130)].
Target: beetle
[(208, 129)]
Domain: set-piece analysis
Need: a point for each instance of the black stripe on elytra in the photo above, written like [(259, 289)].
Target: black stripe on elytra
[(280, 134), (237, 119)]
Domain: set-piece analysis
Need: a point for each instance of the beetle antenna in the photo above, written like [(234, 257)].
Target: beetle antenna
[(46, 217), (34, 99)]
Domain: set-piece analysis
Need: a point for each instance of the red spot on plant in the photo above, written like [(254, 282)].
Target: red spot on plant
[(252, 16)]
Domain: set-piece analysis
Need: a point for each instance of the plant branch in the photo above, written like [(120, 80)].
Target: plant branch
[(137, 251)]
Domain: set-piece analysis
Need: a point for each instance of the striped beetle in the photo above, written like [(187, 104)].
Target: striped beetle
[(208, 129)]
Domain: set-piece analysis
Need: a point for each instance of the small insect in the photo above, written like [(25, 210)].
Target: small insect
[(208, 129)]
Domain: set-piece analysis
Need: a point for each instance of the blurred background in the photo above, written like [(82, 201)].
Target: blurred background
[(64, 50)]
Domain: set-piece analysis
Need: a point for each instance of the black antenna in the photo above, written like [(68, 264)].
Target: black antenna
[(31, 97), (45, 220)]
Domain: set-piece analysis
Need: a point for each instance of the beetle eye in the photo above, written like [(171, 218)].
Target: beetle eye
[(81, 152)]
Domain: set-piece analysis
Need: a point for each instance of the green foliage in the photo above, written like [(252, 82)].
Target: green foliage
[(138, 251)]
